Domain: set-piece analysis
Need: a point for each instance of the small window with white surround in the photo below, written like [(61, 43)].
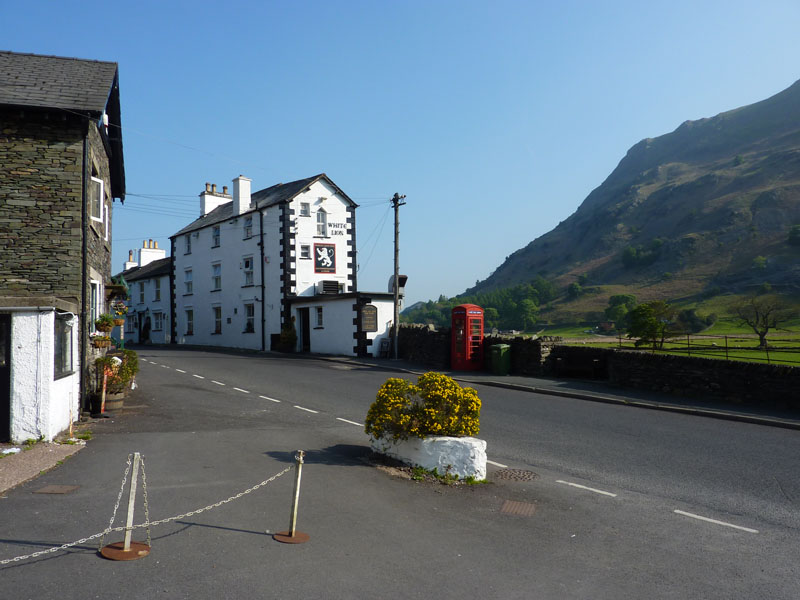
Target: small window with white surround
[(158, 321), (189, 321), (249, 318), (305, 252), (188, 246), (215, 237), (305, 209), (157, 290), (247, 269), (322, 223), (187, 282), (216, 277), (319, 322), (96, 199), (248, 227), (217, 310)]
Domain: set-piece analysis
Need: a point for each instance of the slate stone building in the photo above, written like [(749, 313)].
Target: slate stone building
[(61, 167)]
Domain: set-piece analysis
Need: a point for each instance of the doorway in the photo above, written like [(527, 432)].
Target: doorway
[(5, 378), (305, 329)]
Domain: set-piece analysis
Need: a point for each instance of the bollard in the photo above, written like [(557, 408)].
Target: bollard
[(128, 550), (293, 536)]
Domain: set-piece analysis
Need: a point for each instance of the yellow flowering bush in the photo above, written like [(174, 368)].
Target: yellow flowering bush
[(437, 405)]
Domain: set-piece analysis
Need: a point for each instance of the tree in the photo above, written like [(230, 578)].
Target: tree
[(574, 290), (619, 305), (528, 313), (762, 313), (651, 322)]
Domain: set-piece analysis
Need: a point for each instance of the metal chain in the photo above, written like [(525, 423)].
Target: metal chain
[(146, 507), (119, 499), (147, 523)]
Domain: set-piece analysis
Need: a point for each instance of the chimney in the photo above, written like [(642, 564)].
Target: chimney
[(131, 263), (211, 199), (150, 252), (241, 195)]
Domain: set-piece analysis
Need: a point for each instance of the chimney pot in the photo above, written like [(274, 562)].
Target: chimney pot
[(208, 187), (155, 245), (224, 189), (213, 188), (130, 255)]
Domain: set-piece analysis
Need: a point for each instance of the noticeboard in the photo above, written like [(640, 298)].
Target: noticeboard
[(369, 318)]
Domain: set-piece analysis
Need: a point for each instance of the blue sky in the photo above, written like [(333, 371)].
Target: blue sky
[(495, 119)]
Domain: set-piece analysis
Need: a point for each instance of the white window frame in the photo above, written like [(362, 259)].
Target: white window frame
[(141, 292), (94, 302), (305, 252), (305, 209), (217, 312), (188, 286), (189, 312), (215, 236), (318, 321), (216, 277), (96, 199), (248, 272), (63, 362), (249, 317), (158, 321), (157, 290), (188, 247), (322, 223), (248, 227)]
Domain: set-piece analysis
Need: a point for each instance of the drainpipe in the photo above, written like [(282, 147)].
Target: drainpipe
[(263, 298), (84, 273)]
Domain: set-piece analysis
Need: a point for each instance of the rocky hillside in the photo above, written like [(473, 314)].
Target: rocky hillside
[(706, 207)]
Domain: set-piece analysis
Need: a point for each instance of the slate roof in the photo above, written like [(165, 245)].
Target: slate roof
[(281, 192), (157, 268), (56, 82)]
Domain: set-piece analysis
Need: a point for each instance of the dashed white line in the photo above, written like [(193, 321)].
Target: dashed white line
[(270, 399), (217, 382), (180, 371), (693, 516), (198, 376), (496, 464), (348, 421), (241, 390), (165, 366), (307, 409), (583, 487)]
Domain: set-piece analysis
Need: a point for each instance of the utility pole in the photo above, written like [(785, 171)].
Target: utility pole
[(397, 202)]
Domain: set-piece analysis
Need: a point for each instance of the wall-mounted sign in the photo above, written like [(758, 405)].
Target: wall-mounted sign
[(369, 318), (324, 258)]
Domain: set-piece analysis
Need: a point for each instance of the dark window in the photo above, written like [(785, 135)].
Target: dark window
[(63, 346)]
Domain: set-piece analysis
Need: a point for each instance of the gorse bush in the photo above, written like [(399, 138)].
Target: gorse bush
[(436, 405)]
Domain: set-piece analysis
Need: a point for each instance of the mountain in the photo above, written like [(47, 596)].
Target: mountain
[(706, 207)]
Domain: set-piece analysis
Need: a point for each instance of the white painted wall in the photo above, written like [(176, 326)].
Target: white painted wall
[(40, 405), (150, 306)]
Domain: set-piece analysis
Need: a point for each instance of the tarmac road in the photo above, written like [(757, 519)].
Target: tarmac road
[(209, 427)]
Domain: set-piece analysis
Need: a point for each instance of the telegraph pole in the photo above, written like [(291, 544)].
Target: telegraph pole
[(397, 202)]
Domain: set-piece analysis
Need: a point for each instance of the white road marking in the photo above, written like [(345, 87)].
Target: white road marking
[(351, 422), (217, 382), (496, 464), (180, 371), (307, 409), (693, 516), (198, 376), (268, 398), (165, 366), (241, 390), (583, 487)]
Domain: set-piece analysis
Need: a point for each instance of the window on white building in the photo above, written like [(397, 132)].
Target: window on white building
[(217, 310), (189, 321), (158, 321), (215, 237), (130, 323), (305, 251), (322, 223), (157, 290), (188, 244), (249, 318), (187, 281), (305, 209), (319, 316), (216, 277), (141, 292), (248, 227), (247, 268), (63, 346), (94, 303)]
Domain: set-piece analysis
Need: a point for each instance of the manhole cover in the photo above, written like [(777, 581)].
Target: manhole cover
[(514, 475), (518, 509), (57, 489)]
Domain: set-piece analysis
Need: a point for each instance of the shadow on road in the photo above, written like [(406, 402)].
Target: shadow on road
[(338, 455)]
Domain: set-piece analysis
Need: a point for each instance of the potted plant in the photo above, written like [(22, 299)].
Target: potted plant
[(104, 322), (120, 310), (430, 424), (101, 341)]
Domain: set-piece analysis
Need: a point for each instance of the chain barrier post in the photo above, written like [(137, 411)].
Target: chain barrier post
[(128, 550), (293, 536)]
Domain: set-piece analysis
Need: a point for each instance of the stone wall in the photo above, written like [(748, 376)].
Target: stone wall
[(40, 216), (423, 345)]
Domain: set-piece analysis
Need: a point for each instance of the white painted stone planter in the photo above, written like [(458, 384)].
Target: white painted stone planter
[(466, 456)]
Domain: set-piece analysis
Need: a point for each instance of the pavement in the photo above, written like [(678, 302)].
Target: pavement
[(39, 458)]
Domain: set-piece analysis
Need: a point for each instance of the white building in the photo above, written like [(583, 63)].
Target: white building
[(149, 296), (284, 257)]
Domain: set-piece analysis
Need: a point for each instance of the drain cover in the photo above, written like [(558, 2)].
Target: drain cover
[(518, 509), (514, 475), (57, 489)]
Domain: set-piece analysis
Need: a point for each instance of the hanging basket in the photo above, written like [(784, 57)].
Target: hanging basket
[(101, 343), (105, 328), (119, 322)]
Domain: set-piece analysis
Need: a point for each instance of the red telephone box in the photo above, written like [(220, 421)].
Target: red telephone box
[(466, 346)]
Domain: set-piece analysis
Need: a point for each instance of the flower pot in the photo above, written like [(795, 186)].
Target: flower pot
[(101, 343), (119, 322), (105, 328)]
